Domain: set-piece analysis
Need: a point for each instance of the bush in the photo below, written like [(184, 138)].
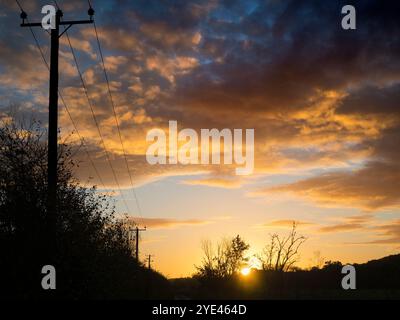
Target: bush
[(87, 245)]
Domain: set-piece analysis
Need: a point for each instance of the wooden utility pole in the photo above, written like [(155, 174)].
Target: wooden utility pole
[(135, 233), (149, 261), (53, 109), (137, 242)]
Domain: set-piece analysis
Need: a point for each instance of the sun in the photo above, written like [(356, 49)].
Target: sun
[(245, 271)]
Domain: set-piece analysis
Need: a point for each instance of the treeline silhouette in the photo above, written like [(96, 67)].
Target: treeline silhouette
[(87, 245), (377, 279), (277, 277), (219, 275)]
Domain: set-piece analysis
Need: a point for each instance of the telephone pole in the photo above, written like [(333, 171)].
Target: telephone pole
[(137, 242), (137, 230), (149, 260), (53, 108)]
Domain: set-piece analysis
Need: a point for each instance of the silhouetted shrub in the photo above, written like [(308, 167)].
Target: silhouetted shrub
[(87, 245)]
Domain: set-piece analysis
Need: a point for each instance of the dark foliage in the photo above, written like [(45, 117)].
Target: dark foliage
[(223, 261), (87, 245), (377, 279)]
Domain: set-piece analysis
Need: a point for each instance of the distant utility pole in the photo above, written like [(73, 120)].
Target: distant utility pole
[(149, 260), (137, 230), (53, 105)]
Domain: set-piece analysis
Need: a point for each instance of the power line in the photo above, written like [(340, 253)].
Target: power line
[(19, 5), (89, 102), (63, 101), (89, 3), (115, 115), (95, 119), (73, 123), (83, 143)]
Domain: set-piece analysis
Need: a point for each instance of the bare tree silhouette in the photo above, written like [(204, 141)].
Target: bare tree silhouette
[(282, 252)]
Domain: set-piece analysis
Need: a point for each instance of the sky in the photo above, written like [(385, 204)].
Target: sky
[(323, 103)]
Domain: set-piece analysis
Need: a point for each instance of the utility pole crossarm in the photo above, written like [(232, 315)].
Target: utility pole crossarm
[(62, 23), (34, 24), (75, 22)]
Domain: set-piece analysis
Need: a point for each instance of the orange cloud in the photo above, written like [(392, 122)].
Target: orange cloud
[(388, 233), (342, 227), (287, 223), (171, 67), (352, 223), (113, 62), (365, 188), (162, 223), (79, 44), (229, 183)]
